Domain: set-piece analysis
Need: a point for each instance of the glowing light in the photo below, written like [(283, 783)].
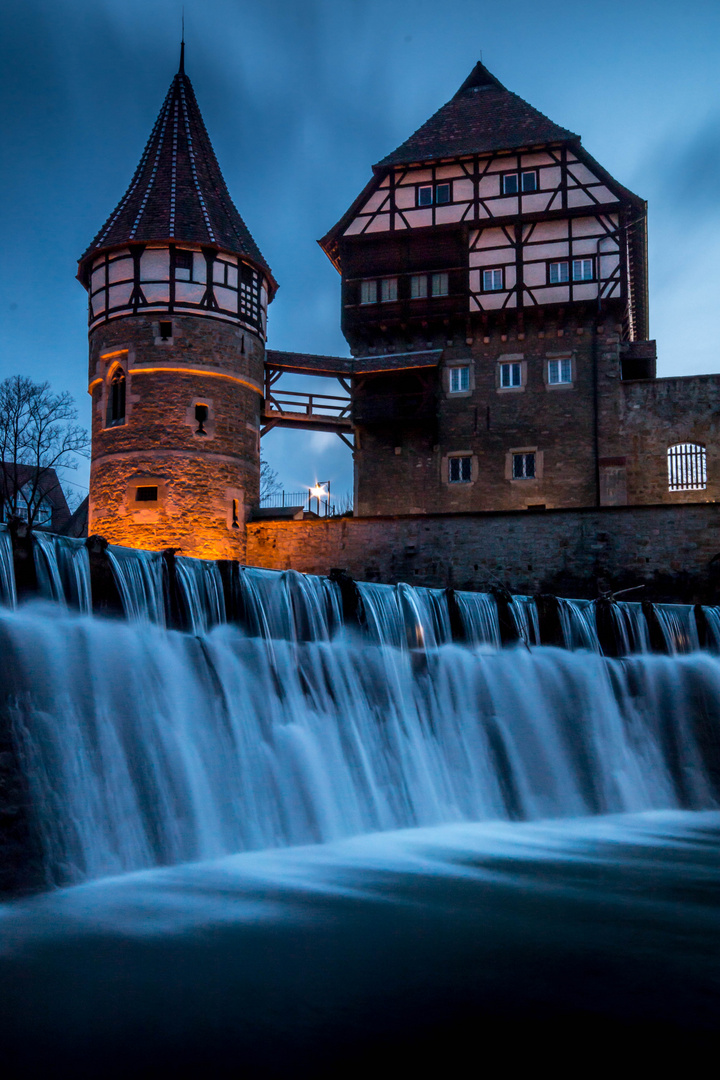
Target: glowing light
[(318, 492)]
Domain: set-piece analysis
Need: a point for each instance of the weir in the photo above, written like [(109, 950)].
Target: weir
[(294, 709)]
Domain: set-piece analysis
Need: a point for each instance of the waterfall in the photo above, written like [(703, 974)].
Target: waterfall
[(8, 595), (143, 746)]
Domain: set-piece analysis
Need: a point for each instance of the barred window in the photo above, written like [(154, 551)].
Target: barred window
[(687, 467)]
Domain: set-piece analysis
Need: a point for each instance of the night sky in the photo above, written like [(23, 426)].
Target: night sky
[(300, 98)]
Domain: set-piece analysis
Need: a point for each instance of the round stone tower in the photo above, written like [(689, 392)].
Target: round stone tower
[(178, 293)]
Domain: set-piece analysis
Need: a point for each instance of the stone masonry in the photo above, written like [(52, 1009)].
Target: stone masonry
[(674, 551)]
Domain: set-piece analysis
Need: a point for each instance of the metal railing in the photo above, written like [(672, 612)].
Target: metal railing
[(284, 498)]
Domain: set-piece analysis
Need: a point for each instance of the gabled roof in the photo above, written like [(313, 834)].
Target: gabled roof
[(482, 116), (178, 191)]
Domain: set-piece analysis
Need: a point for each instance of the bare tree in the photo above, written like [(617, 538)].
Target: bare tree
[(269, 481), (38, 435)]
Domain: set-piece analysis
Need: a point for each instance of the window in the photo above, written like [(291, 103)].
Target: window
[(440, 284), (492, 280), (560, 371), (460, 470), (165, 331), (687, 467), (116, 398), (146, 494), (201, 415), (183, 265), (388, 289), (440, 194), (582, 270), (510, 376), (368, 292), (512, 183), (459, 379), (418, 286), (523, 466), (558, 272)]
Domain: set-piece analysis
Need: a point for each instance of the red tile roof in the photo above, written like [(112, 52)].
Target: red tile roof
[(482, 116), (178, 191)]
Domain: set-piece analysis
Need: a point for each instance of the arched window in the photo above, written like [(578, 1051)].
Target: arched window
[(116, 398), (687, 467)]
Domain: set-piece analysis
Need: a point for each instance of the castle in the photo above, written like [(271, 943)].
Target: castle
[(495, 301)]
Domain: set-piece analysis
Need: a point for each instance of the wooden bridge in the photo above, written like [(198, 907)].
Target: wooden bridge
[(307, 411)]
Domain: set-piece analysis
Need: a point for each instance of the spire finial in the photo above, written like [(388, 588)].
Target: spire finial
[(181, 69)]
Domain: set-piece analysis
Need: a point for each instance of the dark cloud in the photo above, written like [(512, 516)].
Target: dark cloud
[(300, 98)]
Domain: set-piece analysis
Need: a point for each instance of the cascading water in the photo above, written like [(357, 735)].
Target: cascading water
[(172, 777)]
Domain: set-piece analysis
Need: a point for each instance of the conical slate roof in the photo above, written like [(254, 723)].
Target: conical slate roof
[(178, 192), (482, 116)]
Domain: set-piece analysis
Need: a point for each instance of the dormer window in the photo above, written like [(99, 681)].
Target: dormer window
[(514, 183), (439, 194), (184, 265)]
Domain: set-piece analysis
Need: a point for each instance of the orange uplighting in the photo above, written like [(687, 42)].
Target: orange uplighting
[(198, 371)]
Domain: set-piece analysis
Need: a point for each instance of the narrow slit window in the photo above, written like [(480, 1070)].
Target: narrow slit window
[(116, 398), (687, 467)]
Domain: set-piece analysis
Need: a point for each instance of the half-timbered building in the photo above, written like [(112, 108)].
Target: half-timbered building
[(494, 295)]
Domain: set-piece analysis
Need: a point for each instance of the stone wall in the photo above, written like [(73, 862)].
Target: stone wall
[(569, 552), (206, 481), (403, 468)]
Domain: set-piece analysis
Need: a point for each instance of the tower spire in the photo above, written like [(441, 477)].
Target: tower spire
[(181, 69)]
